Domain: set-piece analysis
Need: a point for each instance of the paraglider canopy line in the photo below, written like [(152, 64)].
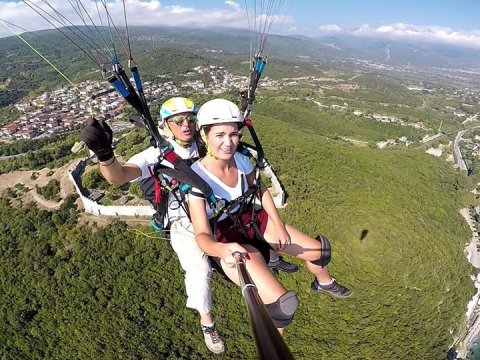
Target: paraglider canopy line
[(39, 54)]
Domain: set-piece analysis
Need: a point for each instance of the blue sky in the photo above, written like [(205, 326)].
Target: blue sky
[(457, 14), (443, 21)]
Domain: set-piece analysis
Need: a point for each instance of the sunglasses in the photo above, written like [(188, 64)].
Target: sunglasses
[(191, 119)]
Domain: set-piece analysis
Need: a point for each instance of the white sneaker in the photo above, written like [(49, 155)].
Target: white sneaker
[(212, 339)]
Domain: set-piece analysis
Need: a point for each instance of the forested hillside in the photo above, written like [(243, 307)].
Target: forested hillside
[(72, 291), (34, 155), (72, 288), (409, 273), (159, 51)]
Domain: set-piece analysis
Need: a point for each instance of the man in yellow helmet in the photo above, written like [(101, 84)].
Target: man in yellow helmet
[(178, 119)]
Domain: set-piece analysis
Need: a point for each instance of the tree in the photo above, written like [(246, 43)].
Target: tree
[(136, 190), (94, 180)]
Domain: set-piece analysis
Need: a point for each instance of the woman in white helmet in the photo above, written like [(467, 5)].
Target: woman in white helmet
[(230, 174)]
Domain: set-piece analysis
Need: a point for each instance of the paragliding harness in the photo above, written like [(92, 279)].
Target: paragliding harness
[(234, 209), (165, 180), (157, 188), (246, 202)]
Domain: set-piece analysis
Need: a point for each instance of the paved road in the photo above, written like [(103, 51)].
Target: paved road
[(11, 156), (458, 154)]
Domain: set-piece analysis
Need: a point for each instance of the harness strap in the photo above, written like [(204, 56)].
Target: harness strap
[(157, 186), (196, 193), (170, 155), (243, 201), (260, 154), (178, 186)]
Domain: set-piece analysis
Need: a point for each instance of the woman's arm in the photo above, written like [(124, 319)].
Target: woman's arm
[(267, 201), (268, 205), (204, 237)]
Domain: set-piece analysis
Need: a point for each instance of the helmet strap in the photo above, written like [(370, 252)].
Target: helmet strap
[(204, 138), (182, 143)]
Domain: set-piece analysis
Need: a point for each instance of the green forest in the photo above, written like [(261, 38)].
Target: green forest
[(160, 51), (34, 155), (86, 292)]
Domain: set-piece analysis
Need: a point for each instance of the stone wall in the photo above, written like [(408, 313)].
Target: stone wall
[(95, 208)]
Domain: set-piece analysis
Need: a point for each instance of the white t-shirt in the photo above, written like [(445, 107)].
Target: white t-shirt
[(221, 190), (147, 159)]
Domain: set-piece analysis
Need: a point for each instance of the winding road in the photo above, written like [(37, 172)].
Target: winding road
[(458, 154)]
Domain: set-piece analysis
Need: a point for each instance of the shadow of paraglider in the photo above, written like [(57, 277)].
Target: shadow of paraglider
[(363, 235)]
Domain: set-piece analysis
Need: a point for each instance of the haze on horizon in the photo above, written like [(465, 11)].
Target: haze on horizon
[(449, 22)]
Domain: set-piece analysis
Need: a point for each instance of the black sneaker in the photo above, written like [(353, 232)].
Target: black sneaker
[(212, 339), (282, 265), (334, 289)]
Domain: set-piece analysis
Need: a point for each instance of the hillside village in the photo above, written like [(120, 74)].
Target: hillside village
[(62, 110)]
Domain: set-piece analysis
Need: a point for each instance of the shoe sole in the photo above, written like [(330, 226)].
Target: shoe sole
[(216, 351), (332, 295), (274, 267), (283, 270)]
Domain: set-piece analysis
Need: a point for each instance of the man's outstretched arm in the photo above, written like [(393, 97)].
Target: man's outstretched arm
[(97, 135)]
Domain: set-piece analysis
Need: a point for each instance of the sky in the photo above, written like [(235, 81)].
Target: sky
[(443, 21)]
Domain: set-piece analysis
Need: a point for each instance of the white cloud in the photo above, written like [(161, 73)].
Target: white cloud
[(181, 10), (139, 12), (469, 38), (233, 4), (148, 13), (329, 28)]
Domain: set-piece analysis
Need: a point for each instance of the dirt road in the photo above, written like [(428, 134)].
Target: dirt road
[(41, 179)]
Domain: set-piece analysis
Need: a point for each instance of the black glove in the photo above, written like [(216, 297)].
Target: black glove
[(97, 135)]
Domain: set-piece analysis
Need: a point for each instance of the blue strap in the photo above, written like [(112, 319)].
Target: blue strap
[(155, 227), (121, 89), (212, 200), (136, 77), (259, 65)]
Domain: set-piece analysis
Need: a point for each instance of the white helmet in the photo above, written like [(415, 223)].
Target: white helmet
[(218, 111)]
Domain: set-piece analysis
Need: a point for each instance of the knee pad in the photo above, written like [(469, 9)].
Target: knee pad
[(283, 310), (325, 252)]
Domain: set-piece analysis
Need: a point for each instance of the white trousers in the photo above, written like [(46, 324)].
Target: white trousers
[(195, 264)]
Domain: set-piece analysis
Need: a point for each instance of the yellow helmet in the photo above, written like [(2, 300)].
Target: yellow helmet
[(177, 105)]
